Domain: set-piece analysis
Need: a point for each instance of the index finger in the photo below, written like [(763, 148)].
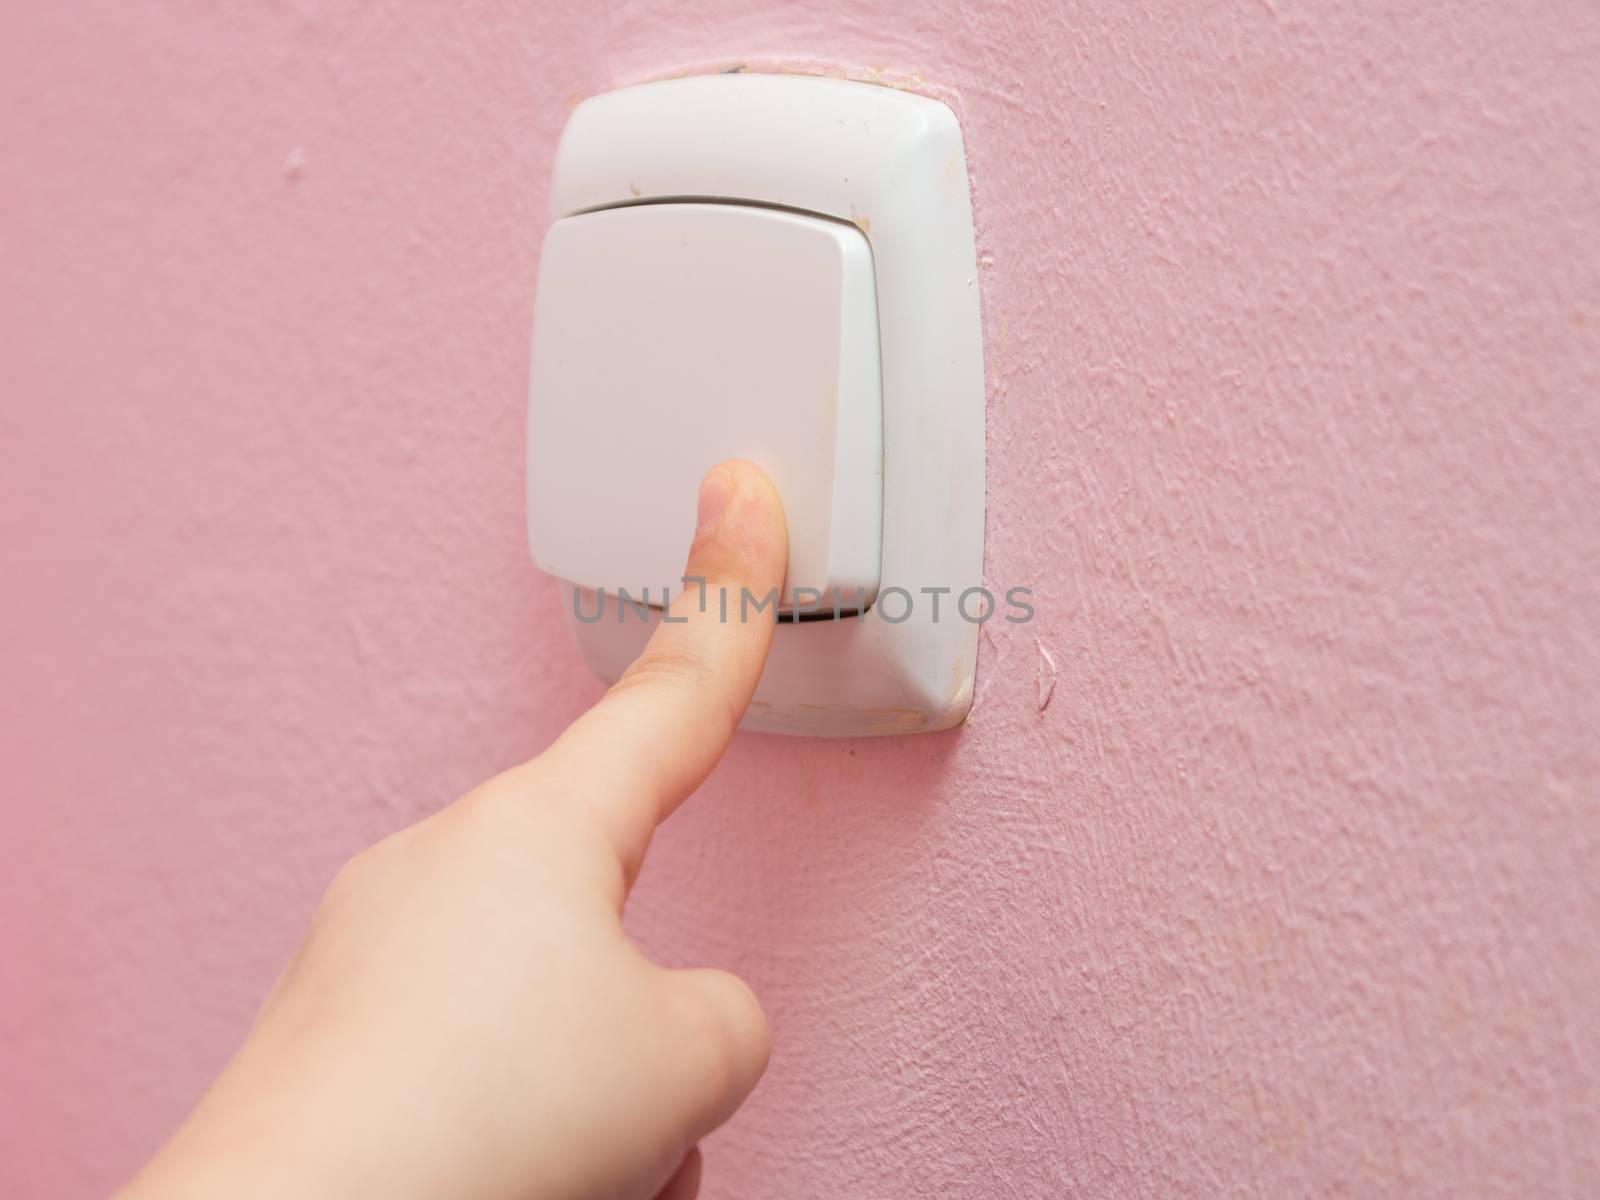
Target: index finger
[(657, 733)]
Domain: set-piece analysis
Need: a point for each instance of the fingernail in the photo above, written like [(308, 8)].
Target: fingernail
[(716, 489)]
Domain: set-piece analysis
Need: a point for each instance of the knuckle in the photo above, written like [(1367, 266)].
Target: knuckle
[(690, 680), (356, 877), (723, 1029), (665, 665), (494, 808)]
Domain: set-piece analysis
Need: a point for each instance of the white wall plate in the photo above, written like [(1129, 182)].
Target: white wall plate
[(880, 161)]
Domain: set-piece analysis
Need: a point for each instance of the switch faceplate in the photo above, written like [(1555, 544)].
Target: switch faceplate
[(778, 268)]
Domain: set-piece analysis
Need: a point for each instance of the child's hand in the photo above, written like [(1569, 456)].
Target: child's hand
[(466, 1017)]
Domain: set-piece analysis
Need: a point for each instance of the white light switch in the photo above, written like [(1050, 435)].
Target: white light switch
[(777, 268), (668, 337)]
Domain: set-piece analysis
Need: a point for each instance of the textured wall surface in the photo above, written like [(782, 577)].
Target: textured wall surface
[(1269, 862)]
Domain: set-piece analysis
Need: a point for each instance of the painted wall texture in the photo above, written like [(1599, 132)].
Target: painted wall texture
[(1269, 861)]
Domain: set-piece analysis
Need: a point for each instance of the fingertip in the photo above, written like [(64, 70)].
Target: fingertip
[(740, 531)]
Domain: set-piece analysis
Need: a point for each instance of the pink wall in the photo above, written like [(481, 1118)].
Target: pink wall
[(1281, 880)]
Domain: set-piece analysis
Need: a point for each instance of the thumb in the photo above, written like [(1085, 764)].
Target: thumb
[(655, 736)]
